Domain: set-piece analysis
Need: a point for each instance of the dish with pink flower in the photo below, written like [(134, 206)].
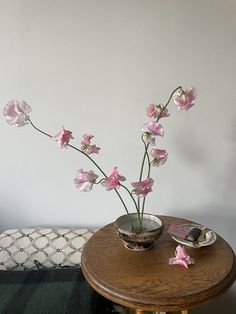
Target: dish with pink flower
[(209, 237)]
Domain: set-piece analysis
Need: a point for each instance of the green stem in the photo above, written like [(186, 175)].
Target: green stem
[(91, 159), (146, 145), (146, 155), (175, 90), (37, 129), (122, 201), (143, 206), (148, 176), (137, 209), (82, 152), (99, 181)]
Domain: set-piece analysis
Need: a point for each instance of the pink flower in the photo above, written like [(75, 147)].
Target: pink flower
[(86, 147), (84, 180), (142, 188), (150, 139), (92, 149), (154, 111), (182, 258), (154, 128), (63, 138), (113, 181), (160, 157), (86, 139), (185, 100), (16, 113)]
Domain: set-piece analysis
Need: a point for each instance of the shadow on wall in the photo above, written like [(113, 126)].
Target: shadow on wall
[(216, 166), (221, 217), (224, 226), (225, 304), (210, 216)]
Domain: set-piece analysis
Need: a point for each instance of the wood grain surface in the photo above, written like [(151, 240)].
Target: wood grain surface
[(145, 280)]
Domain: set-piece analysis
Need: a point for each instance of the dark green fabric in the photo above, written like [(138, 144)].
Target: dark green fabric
[(54, 291)]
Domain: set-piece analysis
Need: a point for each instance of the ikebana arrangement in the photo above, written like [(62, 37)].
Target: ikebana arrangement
[(132, 225)]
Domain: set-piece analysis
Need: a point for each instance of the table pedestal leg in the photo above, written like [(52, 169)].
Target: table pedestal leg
[(137, 311), (182, 312), (142, 312)]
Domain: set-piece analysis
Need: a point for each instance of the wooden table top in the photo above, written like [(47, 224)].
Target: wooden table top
[(146, 281)]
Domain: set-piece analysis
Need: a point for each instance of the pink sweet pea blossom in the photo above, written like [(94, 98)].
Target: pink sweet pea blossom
[(86, 147), (150, 139), (63, 138), (182, 258), (142, 188), (16, 113), (160, 157), (113, 181), (154, 128), (154, 111), (185, 100), (92, 149), (84, 180), (86, 139)]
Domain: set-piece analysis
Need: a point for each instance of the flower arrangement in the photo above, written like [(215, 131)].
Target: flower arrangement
[(17, 114)]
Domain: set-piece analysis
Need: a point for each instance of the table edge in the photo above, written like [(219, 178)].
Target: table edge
[(166, 304)]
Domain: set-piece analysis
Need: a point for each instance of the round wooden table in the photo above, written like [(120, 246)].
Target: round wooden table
[(146, 282)]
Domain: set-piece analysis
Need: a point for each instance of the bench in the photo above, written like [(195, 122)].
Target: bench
[(40, 273)]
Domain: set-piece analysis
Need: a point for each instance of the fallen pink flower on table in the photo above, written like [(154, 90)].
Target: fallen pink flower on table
[(181, 258)]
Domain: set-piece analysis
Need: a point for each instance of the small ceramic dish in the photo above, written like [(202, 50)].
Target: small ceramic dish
[(210, 237)]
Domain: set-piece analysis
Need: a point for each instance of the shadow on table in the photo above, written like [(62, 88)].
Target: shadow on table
[(225, 226), (224, 304)]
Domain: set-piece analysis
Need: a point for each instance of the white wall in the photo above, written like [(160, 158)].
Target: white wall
[(94, 66)]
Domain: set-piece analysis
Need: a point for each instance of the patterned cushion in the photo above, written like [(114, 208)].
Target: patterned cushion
[(22, 249)]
